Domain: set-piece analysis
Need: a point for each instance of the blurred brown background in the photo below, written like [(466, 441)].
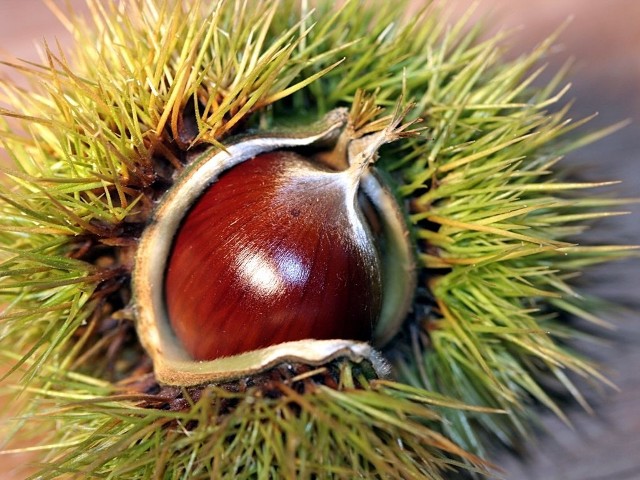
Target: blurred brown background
[(604, 39)]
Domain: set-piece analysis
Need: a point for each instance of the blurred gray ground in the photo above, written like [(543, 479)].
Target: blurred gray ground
[(604, 39)]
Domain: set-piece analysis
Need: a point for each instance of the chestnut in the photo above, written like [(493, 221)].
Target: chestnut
[(275, 250), (259, 254)]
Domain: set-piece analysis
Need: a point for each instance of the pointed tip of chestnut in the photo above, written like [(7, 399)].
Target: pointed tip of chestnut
[(272, 252)]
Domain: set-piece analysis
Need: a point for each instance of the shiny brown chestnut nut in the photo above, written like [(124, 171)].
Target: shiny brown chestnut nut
[(259, 255), (275, 250)]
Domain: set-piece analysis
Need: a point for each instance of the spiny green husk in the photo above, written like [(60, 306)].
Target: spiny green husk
[(317, 433), (96, 138)]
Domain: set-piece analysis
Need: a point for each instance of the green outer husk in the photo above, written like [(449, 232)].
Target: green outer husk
[(286, 434), (495, 228)]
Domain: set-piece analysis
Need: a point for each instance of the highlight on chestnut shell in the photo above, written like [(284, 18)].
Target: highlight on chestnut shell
[(259, 255)]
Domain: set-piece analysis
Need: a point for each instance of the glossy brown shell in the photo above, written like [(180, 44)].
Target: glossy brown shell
[(172, 364), (274, 251)]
